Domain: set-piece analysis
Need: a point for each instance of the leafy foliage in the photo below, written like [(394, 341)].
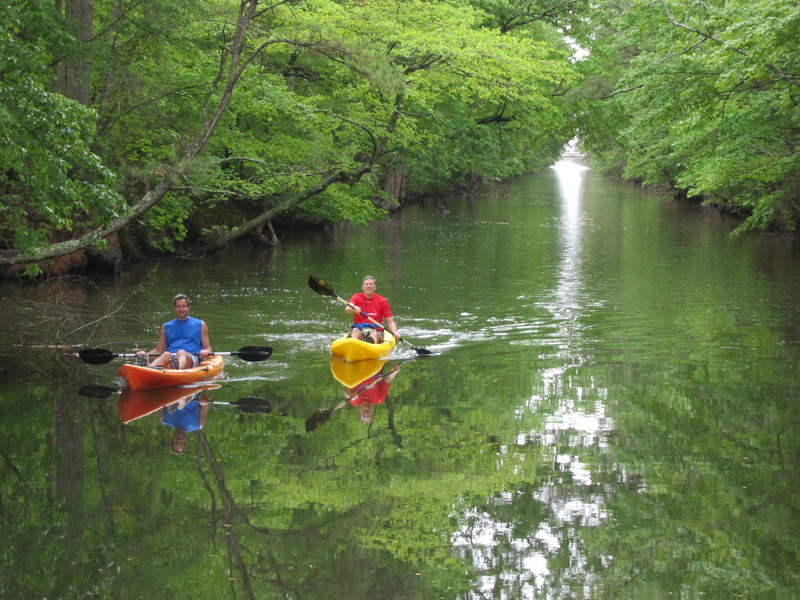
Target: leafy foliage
[(325, 93), (373, 76), (339, 110), (705, 98), (51, 181)]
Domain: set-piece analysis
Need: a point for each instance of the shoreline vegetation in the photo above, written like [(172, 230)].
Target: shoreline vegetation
[(174, 127)]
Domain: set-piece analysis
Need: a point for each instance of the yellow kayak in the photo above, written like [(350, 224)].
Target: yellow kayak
[(350, 374), (354, 350)]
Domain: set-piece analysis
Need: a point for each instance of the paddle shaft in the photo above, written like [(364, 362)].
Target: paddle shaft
[(99, 356), (103, 391), (160, 353), (361, 312)]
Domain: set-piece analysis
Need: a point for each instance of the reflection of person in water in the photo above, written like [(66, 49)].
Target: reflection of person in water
[(370, 392), (185, 416)]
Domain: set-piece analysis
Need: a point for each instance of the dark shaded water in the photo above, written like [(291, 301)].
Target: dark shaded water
[(612, 412)]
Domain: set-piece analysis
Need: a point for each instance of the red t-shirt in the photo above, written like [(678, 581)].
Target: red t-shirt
[(374, 395), (376, 307)]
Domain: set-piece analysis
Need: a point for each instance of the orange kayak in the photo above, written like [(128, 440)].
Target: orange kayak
[(145, 378), (137, 404)]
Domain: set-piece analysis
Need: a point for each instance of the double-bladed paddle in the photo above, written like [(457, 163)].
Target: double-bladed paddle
[(249, 404), (323, 287), (101, 356)]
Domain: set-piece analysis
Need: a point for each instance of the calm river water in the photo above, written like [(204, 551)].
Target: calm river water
[(612, 411)]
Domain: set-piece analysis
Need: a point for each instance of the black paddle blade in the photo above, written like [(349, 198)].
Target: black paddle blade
[(254, 353), (96, 391), (320, 286), (96, 356), (318, 419), (251, 404), (419, 351)]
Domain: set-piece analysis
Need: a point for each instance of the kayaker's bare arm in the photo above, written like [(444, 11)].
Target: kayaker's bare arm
[(395, 371), (390, 325), (203, 399), (161, 345), (206, 351)]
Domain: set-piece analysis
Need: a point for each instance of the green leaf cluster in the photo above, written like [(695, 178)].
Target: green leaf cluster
[(51, 180), (702, 97), (439, 94), (361, 78)]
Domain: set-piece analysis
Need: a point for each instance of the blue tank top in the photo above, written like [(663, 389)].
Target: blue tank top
[(184, 335), (186, 418)]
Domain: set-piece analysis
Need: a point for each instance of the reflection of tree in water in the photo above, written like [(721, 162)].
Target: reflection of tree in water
[(294, 557), (69, 436), (397, 439), (55, 324), (228, 510)]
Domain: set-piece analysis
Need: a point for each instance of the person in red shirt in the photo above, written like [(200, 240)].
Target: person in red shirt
[(370, 392), (374, 305)]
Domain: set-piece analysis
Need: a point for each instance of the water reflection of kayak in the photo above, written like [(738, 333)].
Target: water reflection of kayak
[(134, 404), (350, 374), (364, 385), (143, 378), (356, 350)]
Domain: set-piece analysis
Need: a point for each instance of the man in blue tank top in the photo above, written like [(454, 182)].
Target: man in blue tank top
[(188, 415), (183, 342)]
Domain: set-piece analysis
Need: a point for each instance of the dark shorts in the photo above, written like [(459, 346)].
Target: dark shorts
[(369, 326), (366, 329)]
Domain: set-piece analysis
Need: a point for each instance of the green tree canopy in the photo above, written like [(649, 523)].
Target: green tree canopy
[(51, 180), (231, 114), (702, 97)]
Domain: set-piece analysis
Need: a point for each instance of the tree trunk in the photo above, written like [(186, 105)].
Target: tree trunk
[(218, 242), (395, 186), (74, 74), (267, 240)]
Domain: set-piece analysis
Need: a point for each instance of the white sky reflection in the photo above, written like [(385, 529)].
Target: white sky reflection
[(516, 564)]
